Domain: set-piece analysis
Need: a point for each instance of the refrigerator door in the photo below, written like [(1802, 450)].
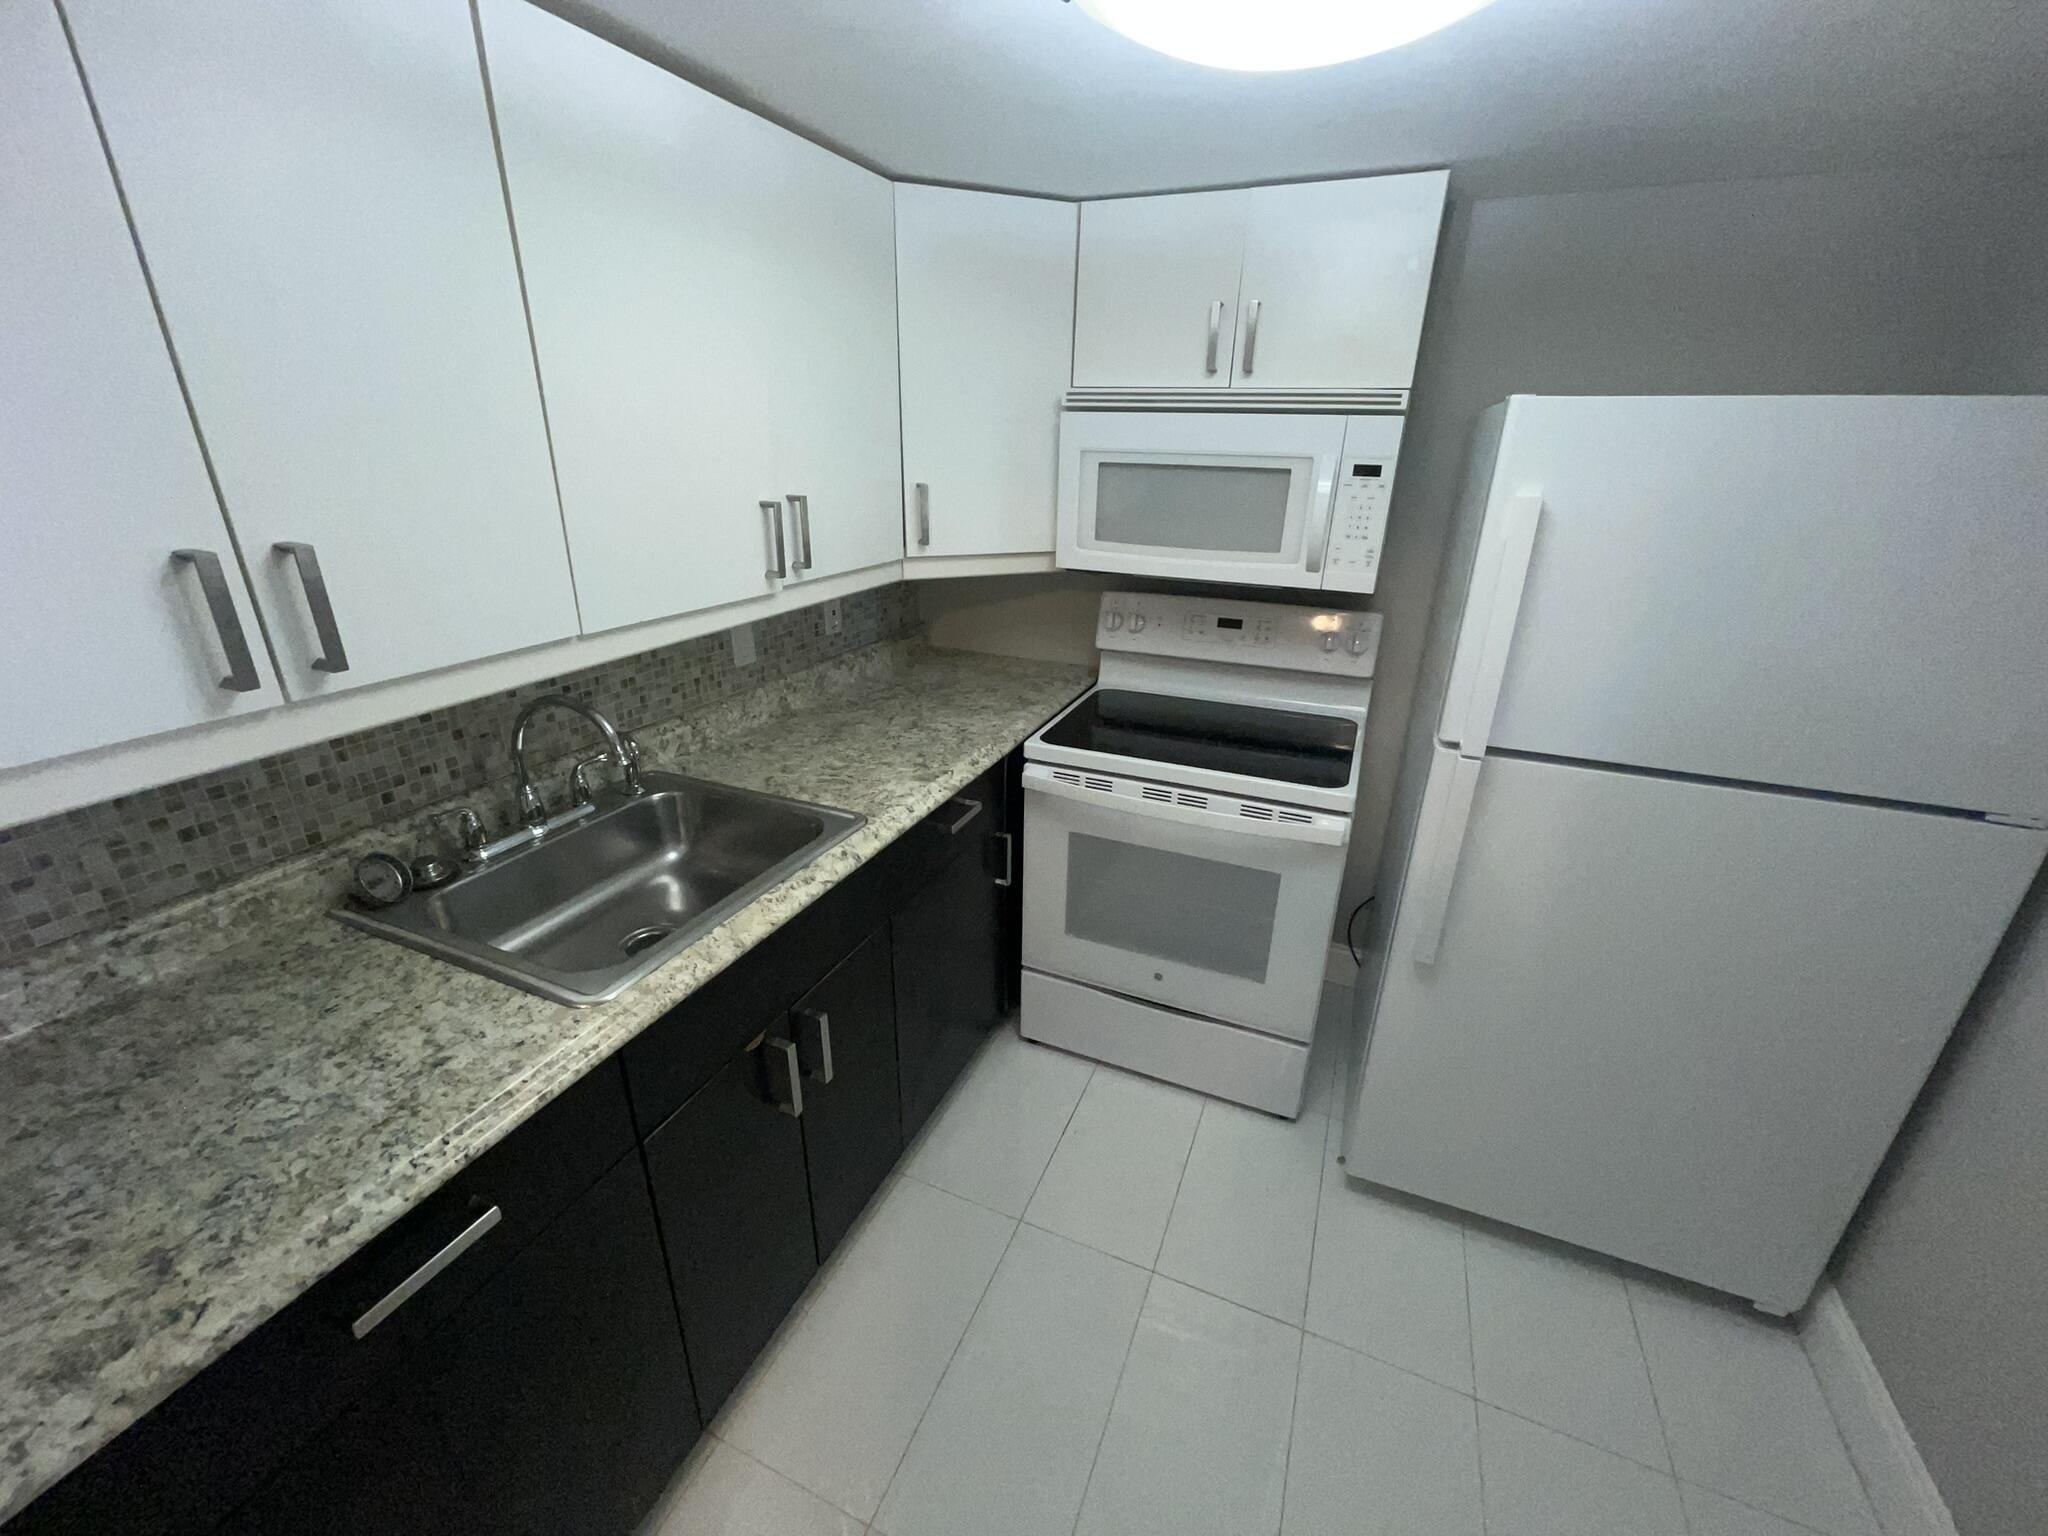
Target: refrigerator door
[(1835, 593), (1670, 1021)]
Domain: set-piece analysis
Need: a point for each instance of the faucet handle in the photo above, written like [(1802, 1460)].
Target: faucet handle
[(469, 827), (580, 792)]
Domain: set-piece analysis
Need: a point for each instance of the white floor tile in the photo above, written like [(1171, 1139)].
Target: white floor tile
[(728, 1493), (1111, 1183), (1709, 1514), (1197, 1440), (1389, 1279), (1378, 1452), (1553, 1340), (1744, 1413), (1326, 1051), (997, 1130), (1541, 1483), (1005, 1448), (1244, 1225), (835, 1403)]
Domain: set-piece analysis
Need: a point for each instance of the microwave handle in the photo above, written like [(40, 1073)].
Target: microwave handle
[(1319, 537)]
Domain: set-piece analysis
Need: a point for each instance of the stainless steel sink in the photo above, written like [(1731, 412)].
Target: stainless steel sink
[(582, 913)]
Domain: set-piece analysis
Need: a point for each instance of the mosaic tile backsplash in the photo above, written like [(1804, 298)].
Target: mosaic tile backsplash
[(100, 865)]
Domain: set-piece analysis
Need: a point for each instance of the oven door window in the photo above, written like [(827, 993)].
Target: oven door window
[(1172, 906), (1249, 508)]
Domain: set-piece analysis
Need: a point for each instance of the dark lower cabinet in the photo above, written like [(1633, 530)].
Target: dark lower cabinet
[(947, 945), (728, 1176), (556, 1399), (845, 1031)]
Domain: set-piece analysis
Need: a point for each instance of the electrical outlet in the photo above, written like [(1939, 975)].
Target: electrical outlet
[(743, 645), (833, 617)]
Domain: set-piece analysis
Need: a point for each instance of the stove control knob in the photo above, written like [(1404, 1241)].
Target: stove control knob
[(1113, 620), (1137, 623), (1358, 643), (1329, 642)]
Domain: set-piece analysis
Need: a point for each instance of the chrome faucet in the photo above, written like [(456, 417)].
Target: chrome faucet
[(532, 810)]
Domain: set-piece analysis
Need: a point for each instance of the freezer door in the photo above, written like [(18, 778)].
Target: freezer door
[(1836, 593), (1670, 1021)]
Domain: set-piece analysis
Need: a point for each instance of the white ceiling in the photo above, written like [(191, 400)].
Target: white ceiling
[(1527, 95)]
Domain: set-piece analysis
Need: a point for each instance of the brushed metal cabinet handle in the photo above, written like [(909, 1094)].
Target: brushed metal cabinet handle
[(332, 657), (1009, 875), (1251, 335), (772, 510), (785, 1076), (424, 1276), (800, 508), (923, 496), (1215, 335), (815, 1051), (961, 825), (227, 623)]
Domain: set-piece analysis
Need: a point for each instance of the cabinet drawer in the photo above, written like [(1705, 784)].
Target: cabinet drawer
[(184, 1464)]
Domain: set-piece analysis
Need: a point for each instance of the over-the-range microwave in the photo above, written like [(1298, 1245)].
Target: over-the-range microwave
[(1256, 498)]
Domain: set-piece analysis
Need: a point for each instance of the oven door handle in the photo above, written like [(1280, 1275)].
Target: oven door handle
[(1330, 831)]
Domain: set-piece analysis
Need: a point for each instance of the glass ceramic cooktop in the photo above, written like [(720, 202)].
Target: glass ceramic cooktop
[(1283, 745)]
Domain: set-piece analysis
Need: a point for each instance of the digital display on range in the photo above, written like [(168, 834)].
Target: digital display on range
[(1230, 623)]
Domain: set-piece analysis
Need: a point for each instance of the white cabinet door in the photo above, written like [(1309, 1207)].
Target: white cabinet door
[(985, 312), (648, 253), (1155, 299), (316, 192), (109, 636), (1672, 1021), (1336, 277), (831, 284)]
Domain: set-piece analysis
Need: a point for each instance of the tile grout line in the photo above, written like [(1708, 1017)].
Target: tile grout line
[(1130, 1346), (1797, 1525), (1293, 1416), (1472, 1364), (1628, 1294), (1187, 1157), (1315, 1228)]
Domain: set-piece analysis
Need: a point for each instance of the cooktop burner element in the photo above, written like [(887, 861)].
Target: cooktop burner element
[(1286, 746)]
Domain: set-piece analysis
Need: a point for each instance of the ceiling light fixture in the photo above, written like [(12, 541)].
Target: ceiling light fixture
[(1276, 34)]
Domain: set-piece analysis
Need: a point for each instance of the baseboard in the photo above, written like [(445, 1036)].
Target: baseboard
[(1900, 1488), (1339, 970)]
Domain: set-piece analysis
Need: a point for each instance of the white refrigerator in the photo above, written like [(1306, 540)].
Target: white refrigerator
[(1729, 768)]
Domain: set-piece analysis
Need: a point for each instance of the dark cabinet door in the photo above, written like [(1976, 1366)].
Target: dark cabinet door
[(845, 1031), (947, 944), (557, 1398), (728, 1176)]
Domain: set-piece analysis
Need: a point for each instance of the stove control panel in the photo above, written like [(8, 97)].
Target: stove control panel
[(1336, 641)]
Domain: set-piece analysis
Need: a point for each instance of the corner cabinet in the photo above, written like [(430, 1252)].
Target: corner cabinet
[(985, 318), (1312, 286), (714, 316), (127, 613), (315, 191)]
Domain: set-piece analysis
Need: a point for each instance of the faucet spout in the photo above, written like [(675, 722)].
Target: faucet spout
[(532, 810)]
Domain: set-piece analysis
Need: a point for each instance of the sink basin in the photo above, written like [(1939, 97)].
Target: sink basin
[(586, 911)]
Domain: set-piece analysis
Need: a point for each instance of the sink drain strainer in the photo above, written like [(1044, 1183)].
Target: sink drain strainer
[(643, 938)]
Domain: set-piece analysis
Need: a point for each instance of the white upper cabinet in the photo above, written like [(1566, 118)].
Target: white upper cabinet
[(1314, 286), (650, 260), (111, 633), (316, 193), (984, 310), (1155, 300), (1336, 276), (836, 429)]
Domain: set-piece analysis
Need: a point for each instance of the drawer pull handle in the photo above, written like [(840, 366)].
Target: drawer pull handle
[(1009, 876), (772, 510), (965, 818), (220, 603), (424, 1276), (332, 657), (785, 1077)]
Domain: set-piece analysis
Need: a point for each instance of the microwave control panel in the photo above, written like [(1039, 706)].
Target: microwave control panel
[(1326, 640), (1358, 525)]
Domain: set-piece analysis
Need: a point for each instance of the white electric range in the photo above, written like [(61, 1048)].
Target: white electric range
[(1185, 828)]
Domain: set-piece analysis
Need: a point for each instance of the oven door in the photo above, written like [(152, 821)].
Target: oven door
[(1209, 903), (1203, 496)]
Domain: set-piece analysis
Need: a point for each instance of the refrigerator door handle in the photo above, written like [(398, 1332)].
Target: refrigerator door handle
[(1439, 870), (1503, 607)]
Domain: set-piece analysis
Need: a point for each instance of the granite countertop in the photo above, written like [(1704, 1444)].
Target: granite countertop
[(183, 1156)]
